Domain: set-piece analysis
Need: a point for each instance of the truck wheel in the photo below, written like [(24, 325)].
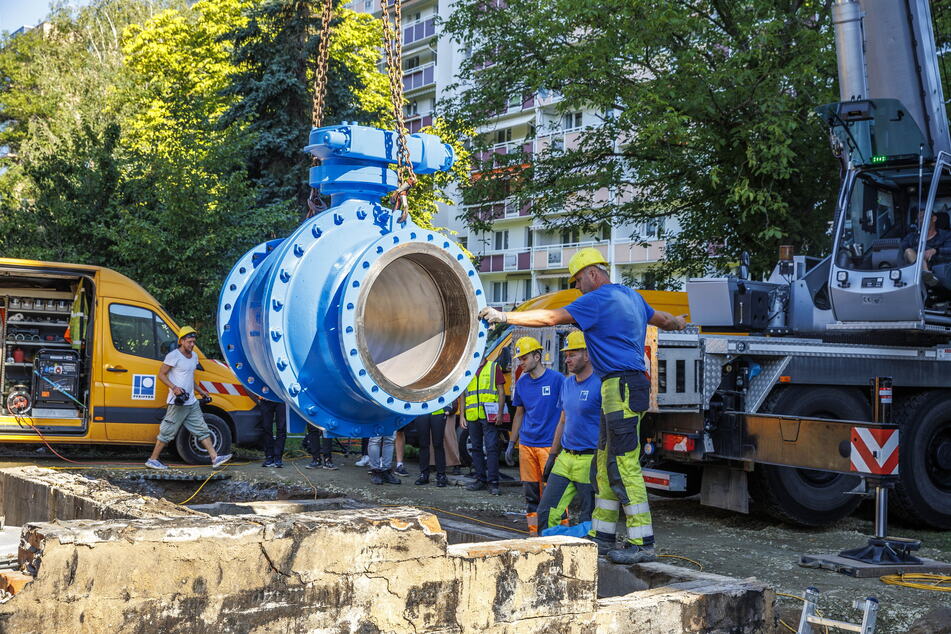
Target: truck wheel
[(923, 493), (192, 452), (807, 497), (462, 442)]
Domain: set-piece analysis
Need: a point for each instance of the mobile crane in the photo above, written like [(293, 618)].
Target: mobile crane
[(750, 414)]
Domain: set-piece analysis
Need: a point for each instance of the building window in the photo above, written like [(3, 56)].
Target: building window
[(558, 144), (502, 240), (571, 121), (570, 236), (503, 136), (463, 241), (526, 290), (500, 292), (529, 237), (411, 109), (411, 62), (368, 5)]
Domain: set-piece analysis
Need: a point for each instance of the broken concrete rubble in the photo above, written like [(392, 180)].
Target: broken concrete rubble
[(366, 570)]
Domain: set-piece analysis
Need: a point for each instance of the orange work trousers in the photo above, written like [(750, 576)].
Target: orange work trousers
[(531, 467)]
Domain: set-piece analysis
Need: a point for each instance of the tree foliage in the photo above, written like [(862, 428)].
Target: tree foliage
[(705, 115)]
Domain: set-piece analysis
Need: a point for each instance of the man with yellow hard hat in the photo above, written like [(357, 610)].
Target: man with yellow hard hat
[(614, 320), (568, 471), (535, 397)]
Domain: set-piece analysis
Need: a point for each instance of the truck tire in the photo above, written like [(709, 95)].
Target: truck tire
[(807, 497), (192, 452), (922, 496)]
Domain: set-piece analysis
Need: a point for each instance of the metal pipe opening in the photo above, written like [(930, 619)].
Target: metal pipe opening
[(416, 318)]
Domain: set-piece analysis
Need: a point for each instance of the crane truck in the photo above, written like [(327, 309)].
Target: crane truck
[(754, 414)]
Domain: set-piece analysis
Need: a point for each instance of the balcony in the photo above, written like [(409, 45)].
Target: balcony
[(505, 261), (417, 122), (503, 149), (419, 77), (419, 31), (501, 210)]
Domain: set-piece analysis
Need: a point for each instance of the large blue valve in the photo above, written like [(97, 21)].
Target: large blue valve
[(357, 321)]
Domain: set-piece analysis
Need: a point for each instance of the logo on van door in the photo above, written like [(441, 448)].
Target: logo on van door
[(143, 387)]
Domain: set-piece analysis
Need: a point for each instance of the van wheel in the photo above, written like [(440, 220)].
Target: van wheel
[(808, 497), (192, 452), (462, 441)]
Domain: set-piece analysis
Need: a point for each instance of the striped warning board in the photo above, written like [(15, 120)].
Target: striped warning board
[(213, 387), (874, 451)]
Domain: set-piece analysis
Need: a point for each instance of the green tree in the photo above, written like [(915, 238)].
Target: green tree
[(274, 61), (705, 116)]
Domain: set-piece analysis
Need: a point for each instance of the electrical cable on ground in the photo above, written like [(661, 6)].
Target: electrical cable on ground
[(915, 580), (190, 497)]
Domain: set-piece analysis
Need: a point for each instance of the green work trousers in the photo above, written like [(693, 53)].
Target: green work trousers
[(618, 482), (570, 476)]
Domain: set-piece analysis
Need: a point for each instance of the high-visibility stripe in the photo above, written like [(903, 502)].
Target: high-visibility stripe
[(607, 505), (480, 391), (637, 532), (635, 509), (602, 526), (230, 388)]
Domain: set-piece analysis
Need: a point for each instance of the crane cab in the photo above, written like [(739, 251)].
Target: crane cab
[(892, 231)]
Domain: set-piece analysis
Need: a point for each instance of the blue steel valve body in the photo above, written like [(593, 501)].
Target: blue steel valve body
[(356, 321)]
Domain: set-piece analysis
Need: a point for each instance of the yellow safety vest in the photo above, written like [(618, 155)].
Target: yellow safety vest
[(481, 390)]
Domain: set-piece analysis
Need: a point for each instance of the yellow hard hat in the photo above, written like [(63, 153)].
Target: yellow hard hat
[(185, 331), (584, 258), (525, 345), (575, 341)]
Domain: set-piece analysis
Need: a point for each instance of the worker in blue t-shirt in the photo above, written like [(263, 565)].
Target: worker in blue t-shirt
[(568, 472), (614, 320), (535, 397)]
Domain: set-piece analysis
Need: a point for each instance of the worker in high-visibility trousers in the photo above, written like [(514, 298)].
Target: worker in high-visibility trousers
[(535, 398), (568, 472), (614, 320)]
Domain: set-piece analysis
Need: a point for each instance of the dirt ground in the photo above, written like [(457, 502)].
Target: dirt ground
[(722, 542)]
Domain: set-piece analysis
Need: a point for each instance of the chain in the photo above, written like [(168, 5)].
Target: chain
[(393, 46), (320, 72), (315, 203)]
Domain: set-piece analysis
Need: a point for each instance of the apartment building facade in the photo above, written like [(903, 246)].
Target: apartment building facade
[(522, 255)]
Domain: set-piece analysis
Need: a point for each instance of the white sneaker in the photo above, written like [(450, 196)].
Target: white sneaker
[(362, 462), (155, 464), (220, 460)]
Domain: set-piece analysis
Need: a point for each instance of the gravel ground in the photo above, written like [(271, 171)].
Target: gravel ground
[(723, 542)]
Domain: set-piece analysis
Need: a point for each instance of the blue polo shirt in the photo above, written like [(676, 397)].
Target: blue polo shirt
[(540, 398), (614, 320), (581, 401)]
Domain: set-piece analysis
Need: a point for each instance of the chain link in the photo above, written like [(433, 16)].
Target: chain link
[(393, 47)]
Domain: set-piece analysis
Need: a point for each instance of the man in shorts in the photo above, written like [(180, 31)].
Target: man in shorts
[(178, 373)]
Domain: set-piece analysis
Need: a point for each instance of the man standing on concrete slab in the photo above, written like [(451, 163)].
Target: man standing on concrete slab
[(535, 397), (614, 320), (178, 373), (569, 469), (483, 400)]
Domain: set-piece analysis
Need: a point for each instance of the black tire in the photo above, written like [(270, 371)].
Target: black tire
[(192, 452), (806, 497), (462, 441), (922, 496)]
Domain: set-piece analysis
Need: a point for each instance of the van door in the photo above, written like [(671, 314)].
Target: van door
[(136, 340)]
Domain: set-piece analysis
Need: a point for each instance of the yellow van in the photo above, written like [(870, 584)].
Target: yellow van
[(82, 348)]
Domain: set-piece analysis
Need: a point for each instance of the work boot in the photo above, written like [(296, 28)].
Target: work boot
[(442, 480), (632, 554), (390, 478), (478, 485), (604, 546), (495, 489), (314, 464), (376, 477), (423, 479), (400, 470)]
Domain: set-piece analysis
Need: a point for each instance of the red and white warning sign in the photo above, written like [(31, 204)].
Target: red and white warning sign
[(875, 451), (213, 387)]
